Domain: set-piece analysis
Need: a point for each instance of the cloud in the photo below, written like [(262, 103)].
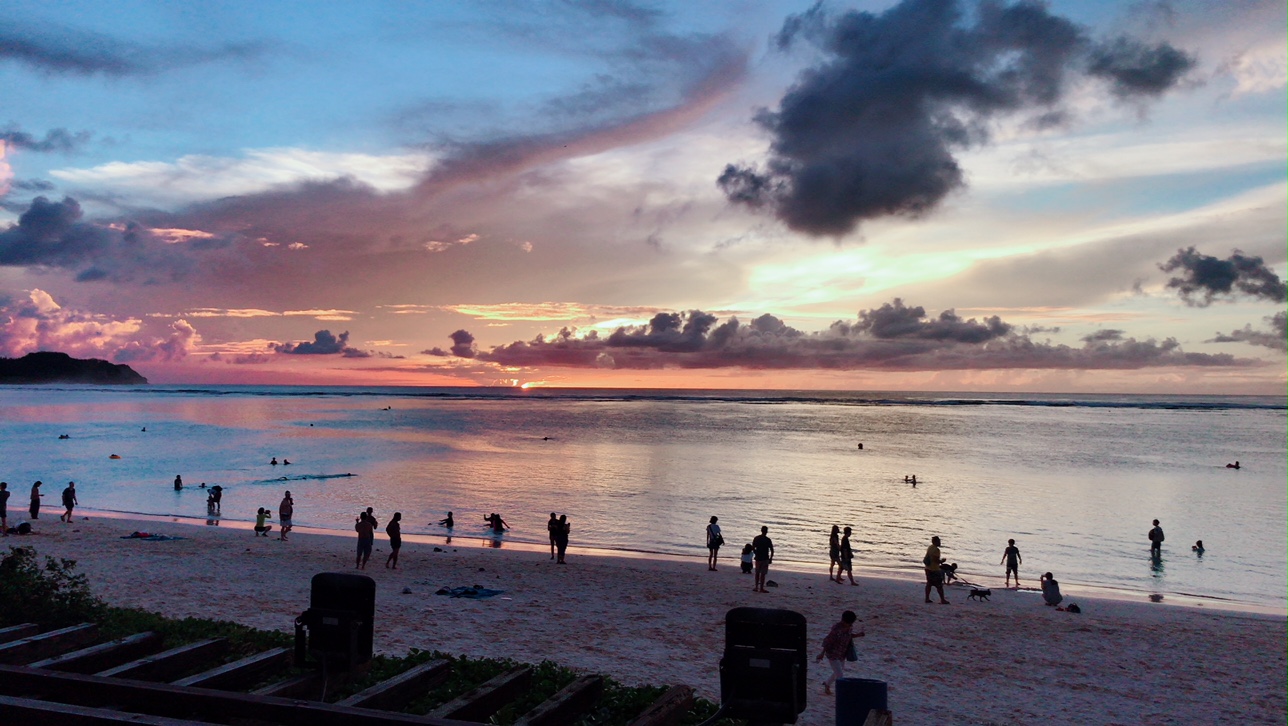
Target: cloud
[(183, 339), (1205, 278), (893, 337), (36, 322), (1276, 338), (324, 343), (872, 129), (59, 140), (73, 52)]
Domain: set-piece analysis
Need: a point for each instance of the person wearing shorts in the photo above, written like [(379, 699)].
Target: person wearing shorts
[(285, 511), (1011, 556), (69, 501), (714, 540), (934, 575)]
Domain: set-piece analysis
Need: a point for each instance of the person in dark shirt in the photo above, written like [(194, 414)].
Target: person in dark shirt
[(763, 548), (4, 509), (394, 530), (69, 502), (366, 529)]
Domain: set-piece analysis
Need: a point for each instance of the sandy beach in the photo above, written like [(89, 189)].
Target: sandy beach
[(659, 621)]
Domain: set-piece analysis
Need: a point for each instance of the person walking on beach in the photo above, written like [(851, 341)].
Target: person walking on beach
[(934, 575), (366, 529), (561, 538), (1156, 540), (1011, 556), (837, 646), (34, 510), (394, 530), (834, 553), (714, 540), (69, 502), (261, 519), (846, 561), (4, 509), (552, 528), (285, 511), (763, 548)]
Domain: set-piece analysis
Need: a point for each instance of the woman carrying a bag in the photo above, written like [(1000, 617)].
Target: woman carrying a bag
[(714, 540), (838, 647)]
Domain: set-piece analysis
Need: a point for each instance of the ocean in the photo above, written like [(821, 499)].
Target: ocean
[(1074, 479)]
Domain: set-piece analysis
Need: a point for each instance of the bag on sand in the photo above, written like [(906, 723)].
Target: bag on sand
[(850, 653)]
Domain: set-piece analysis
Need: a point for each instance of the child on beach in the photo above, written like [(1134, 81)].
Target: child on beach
[(1011, 556), (448, 522), (836, 648), (748, 552)]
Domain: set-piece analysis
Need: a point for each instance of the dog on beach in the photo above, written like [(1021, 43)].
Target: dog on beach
[(950, 572), (979, 594)]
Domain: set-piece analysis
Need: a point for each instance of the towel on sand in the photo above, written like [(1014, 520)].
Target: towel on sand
[(472, 593), (146, 537)]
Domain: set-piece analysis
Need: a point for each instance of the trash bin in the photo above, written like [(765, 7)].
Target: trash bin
[(855, 697), (339, 619)]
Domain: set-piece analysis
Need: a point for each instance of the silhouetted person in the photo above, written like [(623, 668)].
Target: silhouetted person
[(834, 553), (836, 646), (1051, 590), (934, 575), (498, 525), (366, 530), (178, 482), (4, 509), (394, 530), (34, 509), (274, 461), (847, 559), (69, 502), (1235, 465), (763, 549), (561, 539), (552, 528), (1011, 556), (1156, 540), (285, 511), (214, 499), (1198, 548), (714, 540), (448, 521)]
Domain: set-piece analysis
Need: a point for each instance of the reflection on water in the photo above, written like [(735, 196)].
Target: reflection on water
[(1074, 485)]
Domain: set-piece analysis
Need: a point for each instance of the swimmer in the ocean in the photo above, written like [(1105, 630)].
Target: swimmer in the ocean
[(448, 522), (1198, 547), (274, 461), (286, 462), (1235, 465)]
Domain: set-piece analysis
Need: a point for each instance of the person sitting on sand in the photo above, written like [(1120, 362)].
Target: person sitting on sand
[(69, 502), (394, 530), (1051, 590), (366, 530), (836, 647), (4, 509), (448, 522), (261, 528), (1011, 556), (178, 482), (748, 553)]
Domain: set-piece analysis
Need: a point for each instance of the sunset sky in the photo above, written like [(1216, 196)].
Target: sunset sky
[(923, 195)]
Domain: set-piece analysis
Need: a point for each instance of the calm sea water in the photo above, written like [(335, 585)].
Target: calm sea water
[(1074, 479)]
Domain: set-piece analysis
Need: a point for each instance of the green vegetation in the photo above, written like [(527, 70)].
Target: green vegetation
[(52, 595)]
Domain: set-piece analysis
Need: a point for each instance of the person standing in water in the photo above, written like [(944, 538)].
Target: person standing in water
[(69, 502), (1156, 540), (1011, 556), (448, 521), (178, 482), (714, 540), (394, 530)]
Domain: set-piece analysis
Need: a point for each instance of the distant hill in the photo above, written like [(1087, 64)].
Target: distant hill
[(62, 368)]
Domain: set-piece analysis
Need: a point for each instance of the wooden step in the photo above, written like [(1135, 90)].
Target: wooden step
[(104, 655), (478, 703), (24, 710), (26, 650), (668, 709), (164, 665), (307, 686), (240, 674), (565, 706), (18, 632), (395, 693)]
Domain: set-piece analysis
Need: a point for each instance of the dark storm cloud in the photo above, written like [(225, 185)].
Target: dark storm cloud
[(1205, 278), (1276, 338), (80, 53), (1102, 336), (55, 235), (33, 185), (60, 140), (872, 129), (324, 343), (462, 346), (893, 337)]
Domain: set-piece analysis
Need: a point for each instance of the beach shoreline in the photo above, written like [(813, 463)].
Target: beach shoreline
[(659, 620)]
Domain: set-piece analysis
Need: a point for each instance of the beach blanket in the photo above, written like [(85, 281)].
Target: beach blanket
[(472, 593), (147, 537)]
